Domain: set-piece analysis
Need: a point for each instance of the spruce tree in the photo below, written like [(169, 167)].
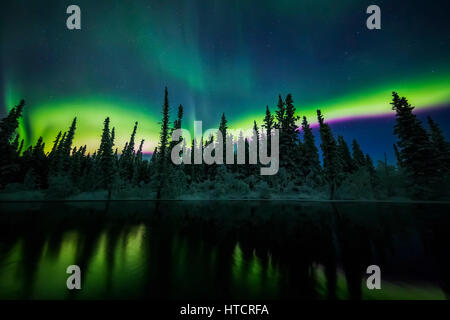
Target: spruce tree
[(38, 163), (163, 146), (106, 159), (417, 154), (397, 156), (57, 159), (75, 167), (8, 152), (347, 162), (330, 154), (55, 145), (372, 172), (269, 124), (441, 147), (255, 141), (223, 130), (310, 163), (359, 160), (8, 126), (19, 150), (67, 146), (176, 126), (292, 143), (139, 166), (279, 113), (126, 160)]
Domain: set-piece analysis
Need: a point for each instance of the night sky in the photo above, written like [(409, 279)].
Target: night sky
[(222, 56)]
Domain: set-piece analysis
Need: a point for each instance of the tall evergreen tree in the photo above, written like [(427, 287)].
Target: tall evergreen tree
[(8, 152), (106, 159), (126, 160), (269, 124), (310, 163), (57, 159), (67, 146), (8, 126), (55, 145), (39, 164), (223, 130), (416, 150), (359, 159), (255, 141), (397, 156), (280, 112), (292, 143), (330, 154), (176, 126), (347, 162), (163, 146), (372, 172), (441, 147)]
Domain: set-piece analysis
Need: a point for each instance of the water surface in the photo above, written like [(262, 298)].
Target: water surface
[(223, 249)]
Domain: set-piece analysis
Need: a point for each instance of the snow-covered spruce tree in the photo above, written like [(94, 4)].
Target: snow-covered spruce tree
[(417, 154), (331, 159)]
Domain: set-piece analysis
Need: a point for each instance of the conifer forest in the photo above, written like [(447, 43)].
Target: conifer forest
[(322, 167)]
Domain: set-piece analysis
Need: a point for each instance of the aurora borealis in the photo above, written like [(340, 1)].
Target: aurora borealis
[(222, 56)]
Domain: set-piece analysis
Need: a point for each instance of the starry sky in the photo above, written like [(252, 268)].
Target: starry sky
[(222, 56)]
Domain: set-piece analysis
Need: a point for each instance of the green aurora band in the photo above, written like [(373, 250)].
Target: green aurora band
[(215, 56), (48, 118)]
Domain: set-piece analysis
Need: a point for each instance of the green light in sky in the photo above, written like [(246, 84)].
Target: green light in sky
[(48, 119), (421, 93)]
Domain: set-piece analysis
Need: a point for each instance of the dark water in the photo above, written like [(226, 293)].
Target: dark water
[(207, 250)]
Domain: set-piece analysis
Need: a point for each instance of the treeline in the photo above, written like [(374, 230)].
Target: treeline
[(345, 172)]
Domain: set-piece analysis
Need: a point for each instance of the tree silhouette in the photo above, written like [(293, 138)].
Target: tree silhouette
[(422, 161), (269, 124), (163, 146), (416, 151), (331, 160), (348, 165), (441, 147), (359, 160), (310, 163), (106, 158)]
